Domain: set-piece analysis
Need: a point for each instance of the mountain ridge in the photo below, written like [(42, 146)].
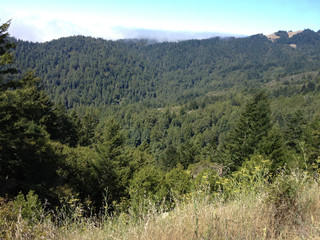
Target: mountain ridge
[(274, 36), (83, 70)]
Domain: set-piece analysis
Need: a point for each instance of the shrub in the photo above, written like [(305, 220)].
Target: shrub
[(286, 197), (22, 218)]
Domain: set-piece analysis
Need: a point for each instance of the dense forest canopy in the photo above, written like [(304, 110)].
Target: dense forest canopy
[(88, 71), (113, 122)]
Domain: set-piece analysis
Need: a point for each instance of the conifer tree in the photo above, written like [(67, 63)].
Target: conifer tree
[(294, 129), (273, 147), (28, 120), (110, 165), (253, 124), (6, 57)]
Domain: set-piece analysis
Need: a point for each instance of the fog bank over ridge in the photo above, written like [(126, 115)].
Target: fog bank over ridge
[(168, 36)]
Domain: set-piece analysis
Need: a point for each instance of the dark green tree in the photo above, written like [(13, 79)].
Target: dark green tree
[(294, 129), (86, 129), (312, 140), (169, 158), (29, 148), (6, 58), (253, 124), (111, 167), (178, 181), (147, 184), (27, 157), (273, 148), (187, 154)]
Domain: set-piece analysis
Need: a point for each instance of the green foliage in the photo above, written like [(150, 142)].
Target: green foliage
[(295, 126), (253, 124), (30, 134), (6, 57), (312, 139), (147, 184), (86, 129), (110, 164), (78, 172), (87, 71), (178, 181), (153, 124), (28, 206), (285, 195), (28, 154), (273, 147), (169, 158), (250, 178)]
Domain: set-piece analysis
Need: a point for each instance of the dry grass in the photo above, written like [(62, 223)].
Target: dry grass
[(250, 216), (272, 37), (291, 34), (244, 219)]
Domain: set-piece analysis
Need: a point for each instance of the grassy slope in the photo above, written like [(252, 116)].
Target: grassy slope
[(287, 209)]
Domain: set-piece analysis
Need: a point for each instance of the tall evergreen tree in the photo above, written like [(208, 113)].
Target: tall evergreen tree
[(27, 157), (294, 129), (29, 127), (110, 165), (253, 124), (6, 57), (273, 147)]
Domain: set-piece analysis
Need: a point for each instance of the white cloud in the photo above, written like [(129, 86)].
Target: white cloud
[(164, 35), (43, 25)]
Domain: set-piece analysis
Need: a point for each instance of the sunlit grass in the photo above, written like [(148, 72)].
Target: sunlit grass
[(289, 208)]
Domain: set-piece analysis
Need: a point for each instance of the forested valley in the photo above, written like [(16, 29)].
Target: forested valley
[(97, 128)]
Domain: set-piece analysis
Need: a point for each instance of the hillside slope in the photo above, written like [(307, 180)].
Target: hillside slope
[(88, 71)]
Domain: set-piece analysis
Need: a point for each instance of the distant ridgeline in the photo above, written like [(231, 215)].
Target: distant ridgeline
[(88, 71)]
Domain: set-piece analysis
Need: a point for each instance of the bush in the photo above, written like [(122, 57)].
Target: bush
[(147, 187), (22, 217), (29, 207), (289, 196)]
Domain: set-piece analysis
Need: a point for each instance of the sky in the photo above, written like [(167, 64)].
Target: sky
[(164, 20)]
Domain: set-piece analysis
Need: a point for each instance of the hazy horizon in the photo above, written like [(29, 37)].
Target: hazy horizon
[(168, 20)]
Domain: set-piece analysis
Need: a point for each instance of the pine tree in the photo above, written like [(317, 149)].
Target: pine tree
[(28, 159), (253, 124), (110, 166), (6, 58), (312, 140), (273, 147), (294, 129)]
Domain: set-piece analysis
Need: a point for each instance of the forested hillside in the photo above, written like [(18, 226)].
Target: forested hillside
[(110, 128), (181, 99), (88, 71)]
